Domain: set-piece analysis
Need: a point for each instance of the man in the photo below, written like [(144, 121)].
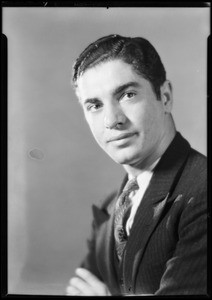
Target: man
[(159, 248)]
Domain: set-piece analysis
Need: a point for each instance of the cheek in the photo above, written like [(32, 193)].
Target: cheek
[(147, 120), (141, 117), (153, 124), (96, 128)]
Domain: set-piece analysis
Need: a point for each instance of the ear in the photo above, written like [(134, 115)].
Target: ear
[(166, 96)]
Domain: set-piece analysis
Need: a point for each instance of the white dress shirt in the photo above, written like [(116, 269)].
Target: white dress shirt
[(143, 180)]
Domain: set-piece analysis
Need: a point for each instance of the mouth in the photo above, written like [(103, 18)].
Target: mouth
[(121, 137)]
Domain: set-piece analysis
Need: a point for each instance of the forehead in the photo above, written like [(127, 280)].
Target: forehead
[(105, 77)]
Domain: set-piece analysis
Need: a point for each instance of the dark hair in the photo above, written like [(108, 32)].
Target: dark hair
[(136, 51)]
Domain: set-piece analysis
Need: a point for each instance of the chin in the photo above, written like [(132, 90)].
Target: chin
[(124, 160)]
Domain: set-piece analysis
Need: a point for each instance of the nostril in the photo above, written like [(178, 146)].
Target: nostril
[(36, 154)]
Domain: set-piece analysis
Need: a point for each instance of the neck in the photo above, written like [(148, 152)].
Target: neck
[(135, 169)]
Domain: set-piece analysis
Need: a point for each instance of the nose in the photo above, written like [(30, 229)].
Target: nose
[(114, 117)]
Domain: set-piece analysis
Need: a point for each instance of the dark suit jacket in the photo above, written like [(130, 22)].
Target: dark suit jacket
[(166, 253)]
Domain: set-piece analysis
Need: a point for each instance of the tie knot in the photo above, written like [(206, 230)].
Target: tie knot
[(131, 185)]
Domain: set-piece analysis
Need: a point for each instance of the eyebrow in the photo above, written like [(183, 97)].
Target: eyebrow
[(116, 91), (91, 100), (125, 86)]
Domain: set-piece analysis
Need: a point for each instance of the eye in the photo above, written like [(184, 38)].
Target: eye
[(128, 95), (93, 107)]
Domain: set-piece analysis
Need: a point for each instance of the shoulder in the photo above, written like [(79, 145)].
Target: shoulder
[(193, 183), (196, 168), (198, 159), (102, 212)]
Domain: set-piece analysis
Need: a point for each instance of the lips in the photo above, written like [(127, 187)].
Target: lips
[(121, 137)]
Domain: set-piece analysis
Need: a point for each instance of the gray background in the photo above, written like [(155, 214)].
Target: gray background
[(49, 197)]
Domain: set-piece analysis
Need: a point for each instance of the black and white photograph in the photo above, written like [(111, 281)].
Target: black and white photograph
[(107, 150)]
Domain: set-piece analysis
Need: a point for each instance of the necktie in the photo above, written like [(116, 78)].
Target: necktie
[(122, 211)]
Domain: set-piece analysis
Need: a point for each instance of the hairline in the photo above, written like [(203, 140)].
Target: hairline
[(110, 58)]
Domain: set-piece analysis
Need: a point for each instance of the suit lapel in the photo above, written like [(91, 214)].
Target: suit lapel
[(149, 223), (160, 190)]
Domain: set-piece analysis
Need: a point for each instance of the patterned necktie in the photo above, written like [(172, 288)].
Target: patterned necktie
[(122, 211)]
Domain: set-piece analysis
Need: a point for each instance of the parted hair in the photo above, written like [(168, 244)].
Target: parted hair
[(135, 51)]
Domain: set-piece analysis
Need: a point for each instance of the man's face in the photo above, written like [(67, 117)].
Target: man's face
[(121, 108)]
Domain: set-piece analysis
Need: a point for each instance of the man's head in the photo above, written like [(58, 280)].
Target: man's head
[(126, 99), (137, 52)]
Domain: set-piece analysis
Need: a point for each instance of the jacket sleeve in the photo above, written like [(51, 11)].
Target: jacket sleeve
[(186, 271)]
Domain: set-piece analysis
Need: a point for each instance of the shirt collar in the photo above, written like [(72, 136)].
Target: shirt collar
[(145, 174)]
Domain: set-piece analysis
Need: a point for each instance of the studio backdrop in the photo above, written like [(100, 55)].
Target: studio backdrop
[(56, 171)]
